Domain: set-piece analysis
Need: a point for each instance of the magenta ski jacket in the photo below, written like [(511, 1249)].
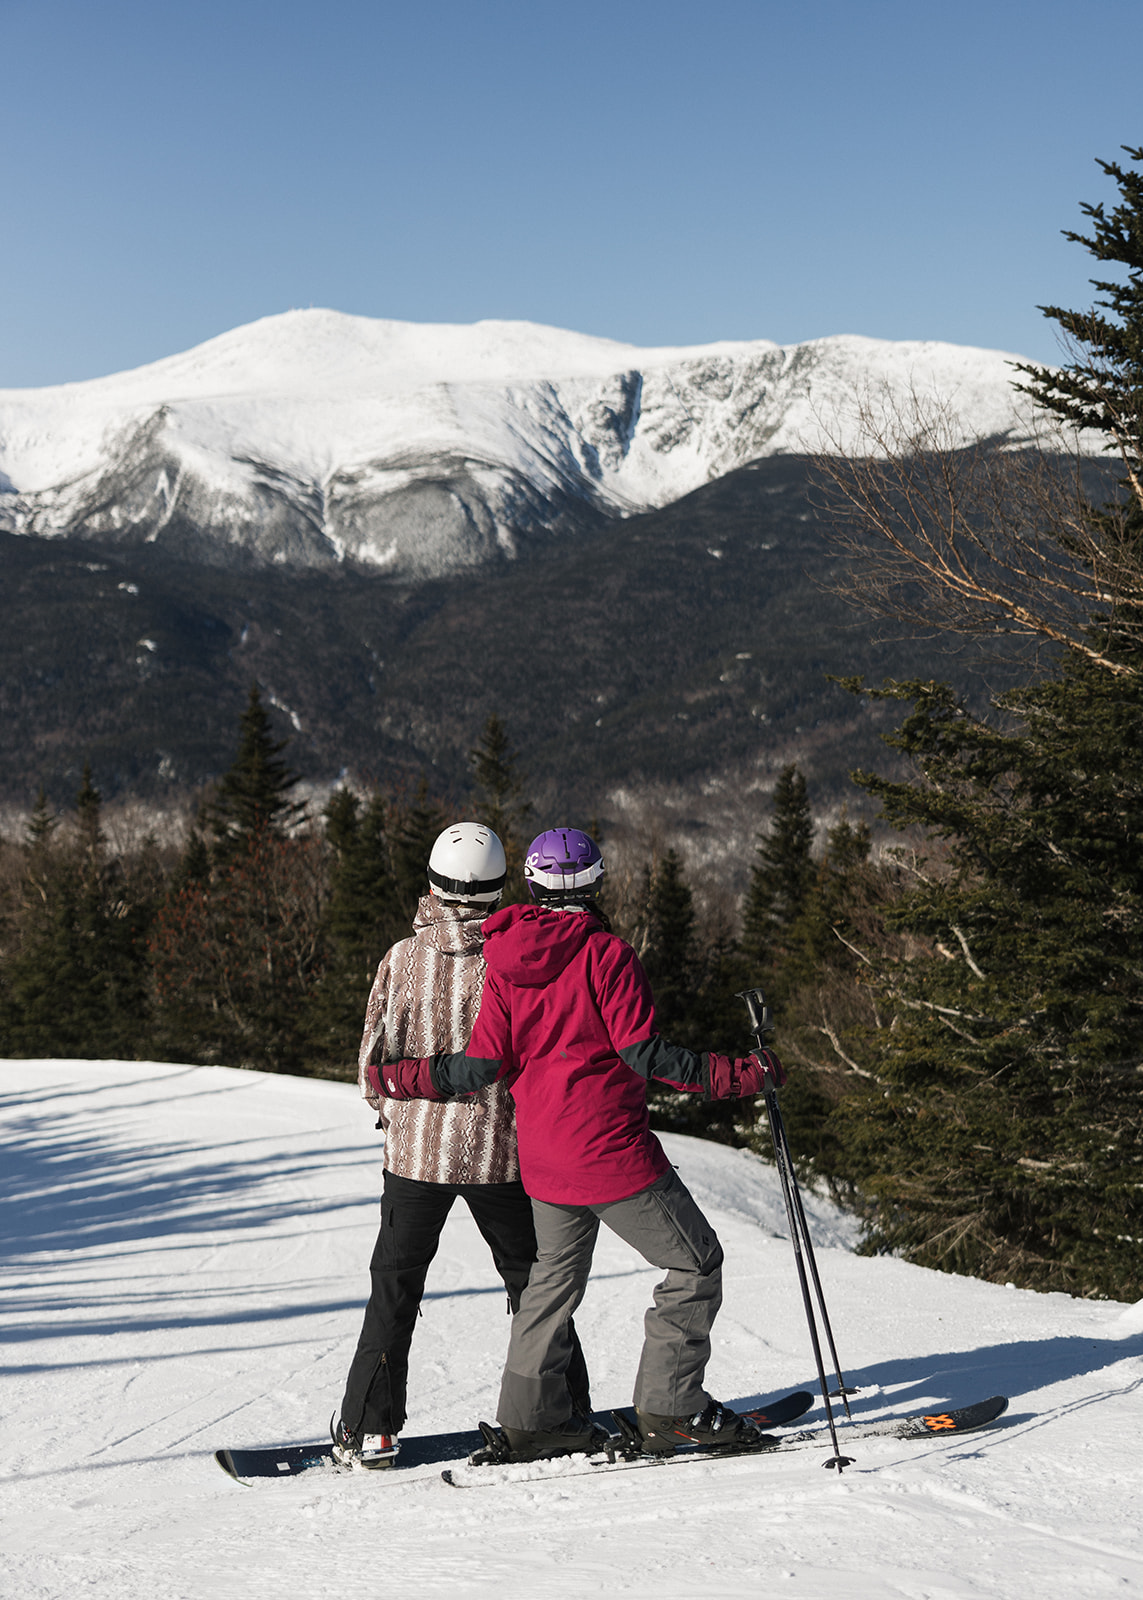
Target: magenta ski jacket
[(567, 1019)]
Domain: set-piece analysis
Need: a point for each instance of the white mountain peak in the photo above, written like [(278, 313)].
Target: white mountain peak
[(315, 436)]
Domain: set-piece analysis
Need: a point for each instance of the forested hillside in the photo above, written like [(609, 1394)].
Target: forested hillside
[(961, 1006)]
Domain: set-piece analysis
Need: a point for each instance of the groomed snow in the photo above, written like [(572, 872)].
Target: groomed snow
[(185, 1253)]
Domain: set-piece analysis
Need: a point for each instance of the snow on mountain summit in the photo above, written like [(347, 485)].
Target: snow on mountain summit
[(313, 437)]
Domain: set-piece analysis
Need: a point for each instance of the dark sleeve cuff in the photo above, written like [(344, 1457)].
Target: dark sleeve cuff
[(459, 1074), (666, 1063)]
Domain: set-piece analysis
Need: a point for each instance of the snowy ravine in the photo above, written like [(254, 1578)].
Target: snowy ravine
[(313, 437), (185, 1254)]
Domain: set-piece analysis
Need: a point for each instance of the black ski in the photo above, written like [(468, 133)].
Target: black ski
[(925, 1425), (286, 1461)]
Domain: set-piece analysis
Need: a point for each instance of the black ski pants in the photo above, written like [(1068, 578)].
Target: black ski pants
[(413, 1214)]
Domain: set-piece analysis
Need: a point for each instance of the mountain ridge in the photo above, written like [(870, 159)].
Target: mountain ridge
[(655, 681), (317, 439)]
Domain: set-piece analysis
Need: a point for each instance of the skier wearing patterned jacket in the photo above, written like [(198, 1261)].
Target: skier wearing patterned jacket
[(425, 998), (567, 1023)]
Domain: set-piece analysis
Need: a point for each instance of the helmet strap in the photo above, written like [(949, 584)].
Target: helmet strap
[(462, 890)]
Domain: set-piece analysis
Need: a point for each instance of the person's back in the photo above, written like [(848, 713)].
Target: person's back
[(425, 997), (567, 1020), (563, 999)]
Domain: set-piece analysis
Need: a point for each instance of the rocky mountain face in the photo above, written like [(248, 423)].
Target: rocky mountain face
[(318, 440), (397, 530), (656, 682)]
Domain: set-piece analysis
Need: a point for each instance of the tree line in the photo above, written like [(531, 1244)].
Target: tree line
[(962, 1005), (254, 944)]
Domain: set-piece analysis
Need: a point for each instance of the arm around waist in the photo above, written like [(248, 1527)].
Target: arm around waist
[(439, 1077)]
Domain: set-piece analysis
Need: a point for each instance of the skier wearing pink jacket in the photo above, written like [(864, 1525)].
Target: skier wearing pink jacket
[(567, 1021)]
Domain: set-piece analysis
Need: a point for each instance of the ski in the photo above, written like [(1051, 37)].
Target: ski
[(287, 1461), (924, 1425)]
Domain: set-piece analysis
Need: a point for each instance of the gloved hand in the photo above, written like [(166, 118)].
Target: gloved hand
[(733, 1079), (410, 1079)]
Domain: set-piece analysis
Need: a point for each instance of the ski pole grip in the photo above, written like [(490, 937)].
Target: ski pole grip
[(760, 1018)]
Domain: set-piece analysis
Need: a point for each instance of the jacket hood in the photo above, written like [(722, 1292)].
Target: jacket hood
[(449, 926), (531, 945)]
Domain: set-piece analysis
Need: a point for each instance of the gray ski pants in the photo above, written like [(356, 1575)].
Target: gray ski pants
[(666, 1227)]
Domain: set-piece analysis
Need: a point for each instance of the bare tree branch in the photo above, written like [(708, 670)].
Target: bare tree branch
[(967, 951), (984, 540)]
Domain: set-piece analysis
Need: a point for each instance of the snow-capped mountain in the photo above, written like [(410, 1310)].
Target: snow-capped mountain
[(313, 437)]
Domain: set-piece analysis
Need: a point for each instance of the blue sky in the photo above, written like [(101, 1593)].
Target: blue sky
[(663, 173)]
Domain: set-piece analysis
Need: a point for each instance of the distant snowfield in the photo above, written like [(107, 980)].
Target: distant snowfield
[(315, 437), (185, 1256), (310, 390)]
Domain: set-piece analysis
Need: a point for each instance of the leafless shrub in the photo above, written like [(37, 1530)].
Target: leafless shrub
[(986, 540)]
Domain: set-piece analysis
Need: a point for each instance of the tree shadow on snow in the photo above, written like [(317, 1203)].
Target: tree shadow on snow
[(65, 1187), (81, 1184)]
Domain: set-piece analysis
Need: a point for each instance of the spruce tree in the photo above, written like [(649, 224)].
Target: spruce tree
[(694, 972), (999, 1128), (42, 824), (501, 802), (667, 946), (363, 917), (1001, 1134), (412, 831), (234, 960), (1101, 388), (237, 946), (664, 936), (797, 946), (194, 863), (252, 798), (781, 877), (77, 982)]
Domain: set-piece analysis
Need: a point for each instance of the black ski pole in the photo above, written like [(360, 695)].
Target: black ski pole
[(842, 1391), (755, 1002), (763, 1027)]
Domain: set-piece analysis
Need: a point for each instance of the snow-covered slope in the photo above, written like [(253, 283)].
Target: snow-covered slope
[(185, 1255), (315, 437)]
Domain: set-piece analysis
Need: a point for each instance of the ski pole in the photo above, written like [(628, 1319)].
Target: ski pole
[(755, 1002), (842, 1390), (763, 1027)]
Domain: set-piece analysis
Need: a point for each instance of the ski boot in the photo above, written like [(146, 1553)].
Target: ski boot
[(369, 1452), (715, 1427), (577, 1436)]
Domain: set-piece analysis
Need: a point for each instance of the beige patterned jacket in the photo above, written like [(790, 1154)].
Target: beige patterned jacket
[(424, 999)]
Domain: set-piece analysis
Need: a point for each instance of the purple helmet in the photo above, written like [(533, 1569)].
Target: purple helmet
[(563, 864)]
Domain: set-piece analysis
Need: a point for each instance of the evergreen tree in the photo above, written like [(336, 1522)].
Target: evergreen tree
[(1101, 388), (998, 1131), (252, 798), (412, 832), (799, 915), (1001, 1134), (194, 864), (694, 977), (237, 945), (42, 824), (363, 918), (501, 804), (76, 984), (89, 815), (666, 942), (781, 877), (234, 960)]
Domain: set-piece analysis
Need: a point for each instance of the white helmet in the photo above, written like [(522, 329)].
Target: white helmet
[(467, 863)]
